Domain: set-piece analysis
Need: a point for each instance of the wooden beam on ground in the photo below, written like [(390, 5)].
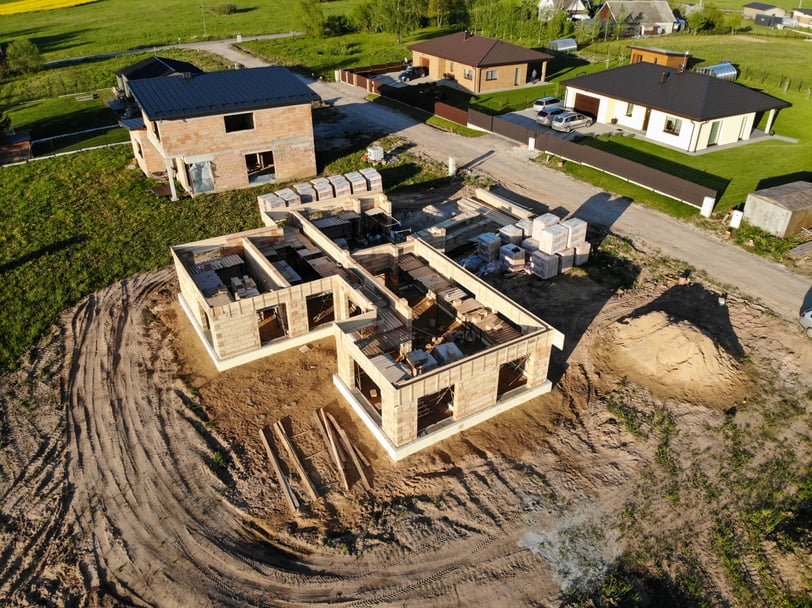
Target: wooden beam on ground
[(283, 437), (331, 445), (348, 447), (293, 503), (363, 458)]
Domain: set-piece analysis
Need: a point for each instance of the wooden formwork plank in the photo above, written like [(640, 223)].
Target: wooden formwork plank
[(331, 444), (293, 503), (348, 447), (283, 437)]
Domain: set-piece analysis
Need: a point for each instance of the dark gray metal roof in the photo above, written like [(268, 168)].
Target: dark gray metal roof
[(760, 6), (224, 92), (133, 124), (685, 94), (154, 67)]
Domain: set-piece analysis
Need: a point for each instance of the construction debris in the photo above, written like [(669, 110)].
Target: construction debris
[(293, 502), (308, 484)]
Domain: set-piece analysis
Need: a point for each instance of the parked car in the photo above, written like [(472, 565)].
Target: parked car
[(412, 72), (546, 102), (545, 117), (570, 120), (806, 320)]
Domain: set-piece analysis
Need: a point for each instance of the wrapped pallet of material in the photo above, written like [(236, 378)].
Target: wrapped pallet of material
[(512, 257), (357, 182), (530, 245), (488, 245), (566, 259), (289, 196), (544, 265), (526, 224), (511, 234), (323, 188), (341, 186), (305, 192), (576, 231), (374, 180), (542, 222), (582, 253), (270, 201), (552, 239)]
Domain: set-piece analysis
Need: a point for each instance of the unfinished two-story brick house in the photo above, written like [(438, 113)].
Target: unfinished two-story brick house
[(221, 131), (424, 348)]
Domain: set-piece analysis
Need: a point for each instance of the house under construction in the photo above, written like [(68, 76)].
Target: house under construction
[(424, 348)]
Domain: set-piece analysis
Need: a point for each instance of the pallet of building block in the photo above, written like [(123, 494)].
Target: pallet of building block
[(541, 222), (341, 186), (552, 239), (512, 257), (488, 246), (576, 231), (530, 245), (526, 224), (270, 201), (566, 259), (305, 192), (544, 265), (374, 180), (323, 188), (289, 196), (511, 234), (582, 251), (357, 182)]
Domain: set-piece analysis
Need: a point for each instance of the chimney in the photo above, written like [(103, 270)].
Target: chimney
[(187, 75), (466, 35), (663, 77)]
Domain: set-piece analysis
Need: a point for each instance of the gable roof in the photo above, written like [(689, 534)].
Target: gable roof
[(211, 93), (686, 94), (153, 67), (641, 11), (760, 6), (477, 51)]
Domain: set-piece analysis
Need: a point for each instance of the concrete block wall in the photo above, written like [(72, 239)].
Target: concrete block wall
[(479, 390), (537, 366), (235, 333), (399, 422)]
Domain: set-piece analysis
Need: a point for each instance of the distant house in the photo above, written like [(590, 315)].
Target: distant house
[(803, 16), (15, 148), (641, 17), (575, 9), (678, 108), (224, 130), (479, 64), (781, 210), (672, 59), (754, 9), (153, 67)]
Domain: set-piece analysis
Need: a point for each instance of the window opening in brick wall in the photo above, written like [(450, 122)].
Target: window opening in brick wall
[(468, 74), (239, 122), (260, 167), (491, 75), (435, 408)]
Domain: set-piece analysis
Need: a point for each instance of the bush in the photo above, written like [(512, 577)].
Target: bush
[(224, 9)]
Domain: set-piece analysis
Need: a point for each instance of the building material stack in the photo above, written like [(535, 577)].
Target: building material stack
[(576, 240), (511, 234), (512, 257), (374, 180), (357, 182), (488, 245), (543, 265), (269, 202), (526, 224), (552, 239), (341, 186), (323, 188), (289, 196), (542, 222), (305, 192)]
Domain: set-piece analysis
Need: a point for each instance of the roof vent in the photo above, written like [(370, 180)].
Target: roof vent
[(663, 77), (187, 75), (466, 35)]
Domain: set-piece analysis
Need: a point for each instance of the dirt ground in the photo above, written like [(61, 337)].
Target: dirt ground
[(132, 473)]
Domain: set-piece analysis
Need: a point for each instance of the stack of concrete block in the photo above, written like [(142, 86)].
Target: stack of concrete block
[(530, 245), (374, 180), (305, 192), (289, 196), (582, 253), (566, 259), (511, 234), (270, 201), (488, 245), (526, 224), (341, 186), (552, 239), (512, 257), (544, 265), (541, 223), (323, 188), (576, 231), (357, 182)]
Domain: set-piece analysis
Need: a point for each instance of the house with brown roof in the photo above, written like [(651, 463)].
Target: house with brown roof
[(221, 131), (641, 17), (479, 64), (674, 107)]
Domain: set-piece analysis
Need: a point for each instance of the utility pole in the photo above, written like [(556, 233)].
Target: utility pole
[(203, 12)]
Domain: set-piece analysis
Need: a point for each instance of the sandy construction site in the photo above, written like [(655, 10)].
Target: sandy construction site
[(132, 473)]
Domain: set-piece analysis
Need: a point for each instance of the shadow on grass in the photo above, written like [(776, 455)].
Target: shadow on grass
[(60, 42), (42, 251), (780, 180)]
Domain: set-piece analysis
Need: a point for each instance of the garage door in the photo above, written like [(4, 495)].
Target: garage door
[(586, 104)]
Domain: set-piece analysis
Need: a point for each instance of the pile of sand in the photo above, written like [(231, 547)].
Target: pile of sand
[(673, 358)]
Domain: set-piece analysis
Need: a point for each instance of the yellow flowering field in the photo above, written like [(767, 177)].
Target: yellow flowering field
[(29, 6)]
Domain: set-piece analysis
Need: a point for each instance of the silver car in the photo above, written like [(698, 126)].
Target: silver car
[(570, 120), (545, 117)]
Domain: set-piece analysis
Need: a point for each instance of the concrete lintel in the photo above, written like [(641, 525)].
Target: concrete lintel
[(278, 346), (398, 453)]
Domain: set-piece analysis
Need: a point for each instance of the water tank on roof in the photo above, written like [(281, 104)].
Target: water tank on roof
[(722, 71)]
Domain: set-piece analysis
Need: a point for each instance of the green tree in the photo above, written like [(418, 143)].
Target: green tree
[(709, 19), (734, 22), (23, 56), (308, 17)]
